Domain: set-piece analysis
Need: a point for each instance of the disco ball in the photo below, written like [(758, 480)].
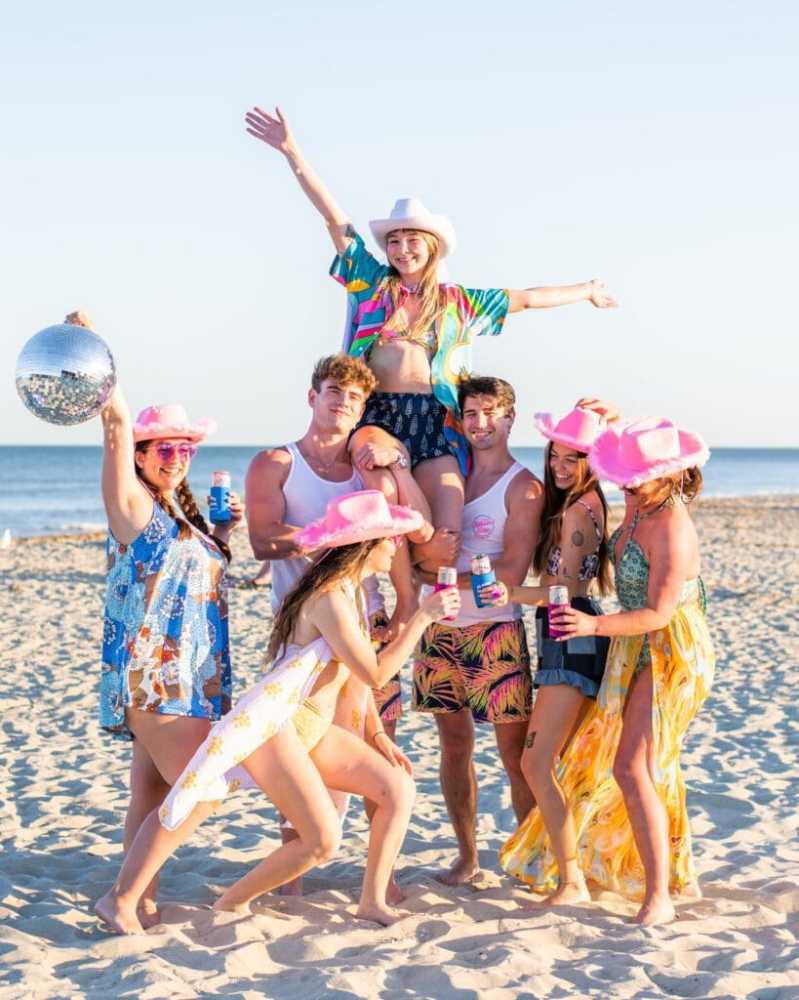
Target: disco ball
[(65, 374)]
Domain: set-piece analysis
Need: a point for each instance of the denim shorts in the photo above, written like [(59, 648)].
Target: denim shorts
[(578, 662)]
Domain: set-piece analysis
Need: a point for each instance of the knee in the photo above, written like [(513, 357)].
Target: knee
[(324, 843), (536, 767), (456, 748), (398, 793), (628, 770)]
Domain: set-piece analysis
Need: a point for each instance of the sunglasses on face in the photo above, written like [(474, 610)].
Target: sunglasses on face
[(167, 451)]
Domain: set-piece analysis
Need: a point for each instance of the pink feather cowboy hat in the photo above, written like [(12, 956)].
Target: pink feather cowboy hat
[(410, 213), (577, 430), (170, 421), (646, 449), (358, 517)]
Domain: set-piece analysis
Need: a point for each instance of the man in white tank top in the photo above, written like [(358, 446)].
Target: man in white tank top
[(476, 668), (288, 487)]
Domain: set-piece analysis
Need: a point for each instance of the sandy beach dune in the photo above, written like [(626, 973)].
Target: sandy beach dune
[(64, 792)]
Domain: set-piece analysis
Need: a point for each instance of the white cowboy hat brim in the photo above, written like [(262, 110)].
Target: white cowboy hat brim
[(546, 426), (194, 432), (605, 461), (438, 225)]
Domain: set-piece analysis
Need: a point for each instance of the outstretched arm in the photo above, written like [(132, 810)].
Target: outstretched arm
[(561, 295), (275, 132)]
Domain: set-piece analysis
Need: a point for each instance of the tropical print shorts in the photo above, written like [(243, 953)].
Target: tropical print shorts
[(388, 698), (483, 667)]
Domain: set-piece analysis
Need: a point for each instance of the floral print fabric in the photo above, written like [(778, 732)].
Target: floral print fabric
[(165, 628)]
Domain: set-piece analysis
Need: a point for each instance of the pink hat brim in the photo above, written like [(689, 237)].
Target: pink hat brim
[(605, 462), (546, 427), (316, 535), (196, 432)]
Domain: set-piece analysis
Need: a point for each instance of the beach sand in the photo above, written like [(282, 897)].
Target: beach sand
[(64, 793)]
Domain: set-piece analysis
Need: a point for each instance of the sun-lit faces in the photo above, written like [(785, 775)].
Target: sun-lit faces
[(164, 467), (407, 251), (337, 407), (564, 464), (382, 555), (485, 422)]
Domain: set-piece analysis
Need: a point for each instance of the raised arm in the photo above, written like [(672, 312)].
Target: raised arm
[(275, 132), (127, 503), (270, 536), (561, 295)]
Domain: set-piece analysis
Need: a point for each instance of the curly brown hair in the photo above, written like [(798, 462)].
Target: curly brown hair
[(331, 568), (343, 369), (188, 506), (487, 385)]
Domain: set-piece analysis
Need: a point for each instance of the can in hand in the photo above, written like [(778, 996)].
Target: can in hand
[(220, 498), (482, 573), (558, 596), (447, 577)]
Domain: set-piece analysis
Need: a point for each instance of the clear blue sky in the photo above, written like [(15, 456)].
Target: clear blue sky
[(652, 145)]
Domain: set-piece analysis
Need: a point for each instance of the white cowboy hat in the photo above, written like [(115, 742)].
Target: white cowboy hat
[(410, 213)]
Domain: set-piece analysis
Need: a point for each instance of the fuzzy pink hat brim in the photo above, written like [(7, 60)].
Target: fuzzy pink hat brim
[(317, 536), (605, 462)]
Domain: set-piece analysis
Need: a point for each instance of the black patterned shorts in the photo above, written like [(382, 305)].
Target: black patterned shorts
[(413, 418)]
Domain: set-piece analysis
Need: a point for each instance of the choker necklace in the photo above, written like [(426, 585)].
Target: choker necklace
[(410, 289)]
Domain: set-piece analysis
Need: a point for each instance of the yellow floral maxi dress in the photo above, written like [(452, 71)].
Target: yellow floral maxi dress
[(682, 660)]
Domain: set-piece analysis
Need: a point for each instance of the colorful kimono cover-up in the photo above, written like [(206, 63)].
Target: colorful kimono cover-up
[(469, 313)]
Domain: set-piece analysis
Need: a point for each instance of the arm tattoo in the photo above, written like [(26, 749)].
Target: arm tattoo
[(529, 740), (578, 538)]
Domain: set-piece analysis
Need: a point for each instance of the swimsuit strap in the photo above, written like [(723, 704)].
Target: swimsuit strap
[(592, 515)]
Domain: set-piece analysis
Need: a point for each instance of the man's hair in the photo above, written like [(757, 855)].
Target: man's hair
[(486, 385), (343, 369)]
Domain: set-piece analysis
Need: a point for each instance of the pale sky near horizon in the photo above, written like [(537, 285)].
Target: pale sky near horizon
[(653, 146)]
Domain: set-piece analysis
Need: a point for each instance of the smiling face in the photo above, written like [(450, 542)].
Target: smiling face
[(409, 251), (567, 467), (164, 464), (336, 407), (486, 423)]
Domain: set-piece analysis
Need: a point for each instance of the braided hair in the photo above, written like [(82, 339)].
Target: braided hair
[(188, 506)]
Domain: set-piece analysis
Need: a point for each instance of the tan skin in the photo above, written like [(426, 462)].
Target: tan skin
[(296, 781), (401, 365), (670, 545), (487, 427), (560, 708), (163, 744)]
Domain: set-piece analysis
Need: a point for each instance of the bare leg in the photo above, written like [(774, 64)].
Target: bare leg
[(459, 786), (264, 575), (442, 483), (348, 764), (510, 743), (552, 723), (634, 769), (147, 791)]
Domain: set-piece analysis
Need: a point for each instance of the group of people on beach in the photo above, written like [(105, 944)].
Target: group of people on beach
[(405, 468)]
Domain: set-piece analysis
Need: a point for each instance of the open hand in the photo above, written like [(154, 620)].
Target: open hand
[(601, 406), (389, 749), (274, 131), (571, 622), (375, 456), (600, 297)]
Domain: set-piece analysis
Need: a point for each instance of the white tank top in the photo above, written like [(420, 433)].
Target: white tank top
[(306, 496), (484, 534)]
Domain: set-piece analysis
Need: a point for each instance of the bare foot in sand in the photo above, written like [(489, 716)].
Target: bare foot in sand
[(379, 913), (658, 910), (120, 919), (567, 894), (462, 872), (394, 895), (148, 913)]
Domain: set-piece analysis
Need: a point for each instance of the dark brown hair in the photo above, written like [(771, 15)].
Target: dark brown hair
[(686, 484), (343, 369), (331, 568), (188, 505), (487, 385), (557, 502)]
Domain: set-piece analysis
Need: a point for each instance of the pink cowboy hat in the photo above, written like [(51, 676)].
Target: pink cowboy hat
[(578, 429), (170, 421), (646, 449), (358, 517)]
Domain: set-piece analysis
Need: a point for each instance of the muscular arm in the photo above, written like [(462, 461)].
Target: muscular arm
[(560, 295), (270, 536)]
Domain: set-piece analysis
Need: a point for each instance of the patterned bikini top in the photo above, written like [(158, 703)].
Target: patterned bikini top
[(632, 577), (590, 564)]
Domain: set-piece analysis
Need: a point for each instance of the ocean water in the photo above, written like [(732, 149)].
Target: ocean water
[(56, 489)]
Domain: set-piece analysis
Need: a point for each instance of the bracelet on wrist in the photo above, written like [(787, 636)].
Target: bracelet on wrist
[(379, 732)]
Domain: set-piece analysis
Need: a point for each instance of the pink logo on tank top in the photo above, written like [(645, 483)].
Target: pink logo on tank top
[(483, 525)]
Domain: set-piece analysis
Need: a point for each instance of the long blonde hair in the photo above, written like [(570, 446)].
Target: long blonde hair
[(431, 298)]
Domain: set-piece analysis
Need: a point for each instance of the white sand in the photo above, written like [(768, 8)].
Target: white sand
[(65, 791)]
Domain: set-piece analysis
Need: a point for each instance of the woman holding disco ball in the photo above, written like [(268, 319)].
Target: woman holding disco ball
[(166, 660)]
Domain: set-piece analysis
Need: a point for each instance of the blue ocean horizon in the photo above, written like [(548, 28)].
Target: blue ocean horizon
[(55, 489)]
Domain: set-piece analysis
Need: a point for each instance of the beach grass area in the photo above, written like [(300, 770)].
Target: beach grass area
[(65, 793)]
